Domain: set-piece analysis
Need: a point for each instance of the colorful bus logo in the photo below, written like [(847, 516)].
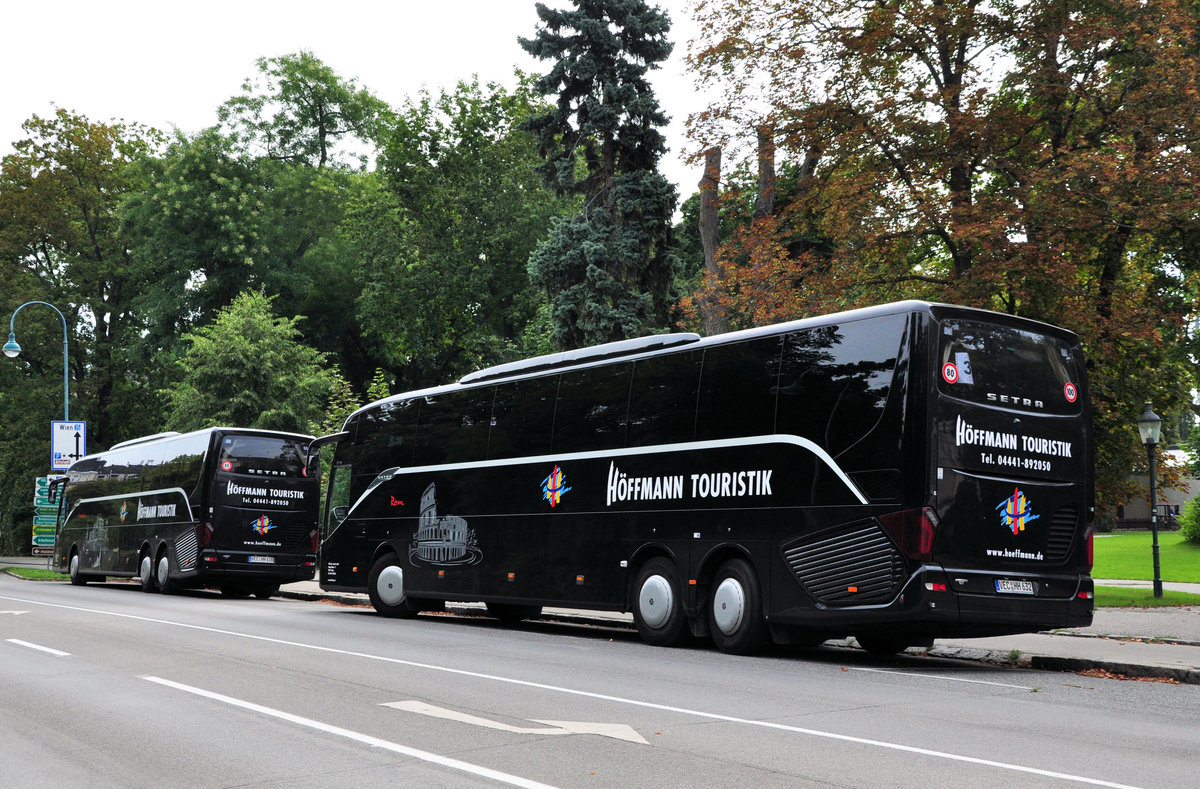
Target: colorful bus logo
[(1015, 512), (554, 486), (262, 524)]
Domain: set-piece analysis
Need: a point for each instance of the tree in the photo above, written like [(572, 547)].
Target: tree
[(1025, 157), (298, 109), (444, 235), (248, 369), (608, 270)]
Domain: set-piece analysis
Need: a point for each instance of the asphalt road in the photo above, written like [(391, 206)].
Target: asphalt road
[(106, 686)]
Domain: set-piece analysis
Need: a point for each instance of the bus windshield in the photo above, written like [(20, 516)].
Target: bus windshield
[(268, 455), (998, 365)]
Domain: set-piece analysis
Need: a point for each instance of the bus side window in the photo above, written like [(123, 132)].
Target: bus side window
[(738, 388), (662, 399), (339, 496), (834, 382), (593, 406), (522, 417), (453, 428)]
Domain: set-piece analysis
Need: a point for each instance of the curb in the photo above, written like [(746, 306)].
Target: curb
[(1012, 658)]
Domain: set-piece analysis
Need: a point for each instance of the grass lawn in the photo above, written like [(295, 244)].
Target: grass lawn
[(35, 573), (1129, 556), (1119, 597)]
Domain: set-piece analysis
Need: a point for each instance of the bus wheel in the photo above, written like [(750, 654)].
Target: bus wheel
[(385, 586), (658, 604), (508, 612), (265, 591), (735, 610), (77, 578), (163, 572), (146, 573), (882, 644)]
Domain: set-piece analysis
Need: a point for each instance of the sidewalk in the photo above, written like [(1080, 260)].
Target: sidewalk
[(1133, 642)]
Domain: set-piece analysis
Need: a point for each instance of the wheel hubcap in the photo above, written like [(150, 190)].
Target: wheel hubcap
[(75, 564), (390, 586), (729, 606), (147, 567), (655, 602), (164, 571)]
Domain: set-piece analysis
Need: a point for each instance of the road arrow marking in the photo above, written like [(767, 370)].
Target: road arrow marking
[(616, 730)]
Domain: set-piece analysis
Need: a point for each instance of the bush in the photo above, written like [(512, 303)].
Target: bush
[(1189, 521)]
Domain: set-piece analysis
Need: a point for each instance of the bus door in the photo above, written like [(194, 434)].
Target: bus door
[(1012, 482), (263, 504)]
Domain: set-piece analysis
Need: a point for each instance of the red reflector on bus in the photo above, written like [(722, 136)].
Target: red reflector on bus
[(934, 586), (912, 531), (851, 588)]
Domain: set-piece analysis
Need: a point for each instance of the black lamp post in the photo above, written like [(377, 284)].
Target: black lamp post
[(1150, 428)]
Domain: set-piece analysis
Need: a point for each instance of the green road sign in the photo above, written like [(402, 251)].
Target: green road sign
[(41, 509), (44, 501), (44, 540), (45, 520)]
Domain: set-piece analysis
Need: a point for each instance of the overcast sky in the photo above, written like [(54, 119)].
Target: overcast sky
[(171, 64)]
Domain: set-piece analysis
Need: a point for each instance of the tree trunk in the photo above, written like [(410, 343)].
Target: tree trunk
[(714, 320), (764, 205)]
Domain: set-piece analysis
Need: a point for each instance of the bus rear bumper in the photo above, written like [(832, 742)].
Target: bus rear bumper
[(244, 565)]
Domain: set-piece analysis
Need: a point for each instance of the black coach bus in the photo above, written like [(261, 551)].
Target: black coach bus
[(896, 473), (223, 507)]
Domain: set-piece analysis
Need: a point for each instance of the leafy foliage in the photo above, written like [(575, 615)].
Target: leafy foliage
[(1189, 521), (248, 369)]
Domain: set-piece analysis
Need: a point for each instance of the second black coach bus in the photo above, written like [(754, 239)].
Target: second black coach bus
[(896, 473), (230, 508)]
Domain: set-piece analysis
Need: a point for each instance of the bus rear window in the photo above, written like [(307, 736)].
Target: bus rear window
[(1008, 368), (264, 455)]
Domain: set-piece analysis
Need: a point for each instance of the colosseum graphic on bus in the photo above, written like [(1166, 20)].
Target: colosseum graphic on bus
[(442, 539)]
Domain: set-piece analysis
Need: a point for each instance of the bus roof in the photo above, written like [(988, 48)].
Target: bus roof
[(642, 346)]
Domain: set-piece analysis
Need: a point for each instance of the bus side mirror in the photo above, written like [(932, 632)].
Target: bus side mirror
[(312, 457), (55, 484)]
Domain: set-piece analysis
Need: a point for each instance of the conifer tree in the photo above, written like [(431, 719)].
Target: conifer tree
[(608, 269)]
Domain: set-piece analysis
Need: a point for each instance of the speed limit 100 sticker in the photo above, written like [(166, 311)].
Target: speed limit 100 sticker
[(1070, 392), (950, 373)]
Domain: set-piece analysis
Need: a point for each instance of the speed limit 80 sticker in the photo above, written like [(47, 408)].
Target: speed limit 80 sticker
[(950, 373)]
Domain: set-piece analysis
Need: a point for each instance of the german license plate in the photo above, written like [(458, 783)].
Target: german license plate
[(271, 560), (1005, 586)]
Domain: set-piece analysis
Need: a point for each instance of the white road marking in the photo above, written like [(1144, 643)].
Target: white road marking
[(55, 652), (938, 676), (14, 613), (618, 731), (366, 739), (603, 697)]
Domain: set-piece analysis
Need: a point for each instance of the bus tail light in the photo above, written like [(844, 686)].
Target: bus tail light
[(313, 539), (204, 532), (1089, 537), (912, 531)]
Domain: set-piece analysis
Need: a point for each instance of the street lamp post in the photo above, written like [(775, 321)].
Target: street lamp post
[(1150, 428), (11, 349)]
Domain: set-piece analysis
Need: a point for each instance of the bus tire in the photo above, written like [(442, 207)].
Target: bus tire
[(146, 573), (77, 578), (385, 587), (882, 643), (162, 572), (658, 604), (234, 590), (509, 612), (265, 591), (735, 609)]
